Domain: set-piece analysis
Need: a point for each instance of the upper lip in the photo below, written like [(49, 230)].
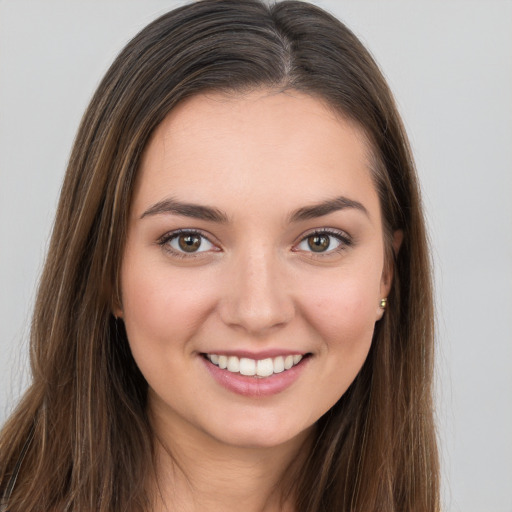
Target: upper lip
[(263, 354)]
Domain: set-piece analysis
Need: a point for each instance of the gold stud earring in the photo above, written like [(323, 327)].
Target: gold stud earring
[(383, 303)]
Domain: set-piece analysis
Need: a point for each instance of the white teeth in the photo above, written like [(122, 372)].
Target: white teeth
[(279, 364), (252, 367), (288, 362), (265, 367), (233, 364), (247, 366)]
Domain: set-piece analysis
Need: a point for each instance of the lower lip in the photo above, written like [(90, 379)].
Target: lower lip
[(255, 386)]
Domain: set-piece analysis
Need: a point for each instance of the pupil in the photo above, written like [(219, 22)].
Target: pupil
[(189, 243), (318, 243)]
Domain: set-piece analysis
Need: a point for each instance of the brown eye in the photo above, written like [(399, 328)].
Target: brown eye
[(319, 243), (186, 242), (324, 242), (189, 242)]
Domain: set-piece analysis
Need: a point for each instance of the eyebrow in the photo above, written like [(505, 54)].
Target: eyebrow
[(326, 207), (195, 211)]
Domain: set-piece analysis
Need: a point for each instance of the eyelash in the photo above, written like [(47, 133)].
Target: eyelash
[(345, 241), (165, 240)]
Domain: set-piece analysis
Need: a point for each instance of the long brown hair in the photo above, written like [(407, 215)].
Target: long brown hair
[(80, 438)]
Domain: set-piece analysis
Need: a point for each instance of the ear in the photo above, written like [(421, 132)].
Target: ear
[(117, 312), (387, 273), (117, 307)]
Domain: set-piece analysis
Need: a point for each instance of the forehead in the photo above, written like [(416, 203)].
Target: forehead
[(263, 145)]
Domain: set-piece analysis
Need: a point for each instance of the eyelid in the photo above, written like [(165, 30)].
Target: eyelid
[(343, 237), (345, 241), (164, 240)]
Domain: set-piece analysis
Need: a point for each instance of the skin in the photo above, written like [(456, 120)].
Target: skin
[(255, 285)]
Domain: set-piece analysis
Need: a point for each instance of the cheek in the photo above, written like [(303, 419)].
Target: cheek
[(348, 300), (342, 310), (163, 311), (161, 307)]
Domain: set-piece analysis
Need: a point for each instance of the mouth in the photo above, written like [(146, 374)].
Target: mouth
[(259, 368), (262, 375)]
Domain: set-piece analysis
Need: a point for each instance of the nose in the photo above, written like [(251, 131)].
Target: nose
[(257, 297)]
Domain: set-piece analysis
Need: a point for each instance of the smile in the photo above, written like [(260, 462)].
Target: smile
[(255, 367)]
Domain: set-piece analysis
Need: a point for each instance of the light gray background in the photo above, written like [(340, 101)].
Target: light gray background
[(450, 65)]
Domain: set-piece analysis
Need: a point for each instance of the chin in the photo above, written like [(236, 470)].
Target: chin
[(262, 435)]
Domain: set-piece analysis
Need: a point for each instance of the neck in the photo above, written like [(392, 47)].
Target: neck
[(195, 472)]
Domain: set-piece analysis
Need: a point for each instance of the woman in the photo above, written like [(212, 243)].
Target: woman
[(236, 308)]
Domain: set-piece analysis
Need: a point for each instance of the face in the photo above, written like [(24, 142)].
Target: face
[(254, 265)]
